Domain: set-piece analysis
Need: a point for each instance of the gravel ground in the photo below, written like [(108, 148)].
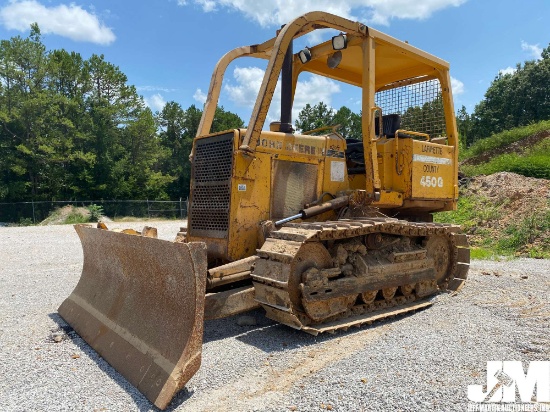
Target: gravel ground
[(423, 361)]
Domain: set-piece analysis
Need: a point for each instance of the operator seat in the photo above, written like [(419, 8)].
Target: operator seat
[(355, 150)]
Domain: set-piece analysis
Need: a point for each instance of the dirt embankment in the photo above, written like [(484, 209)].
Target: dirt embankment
[(60, 216), (507, 200), (522, 195), (518, 147)]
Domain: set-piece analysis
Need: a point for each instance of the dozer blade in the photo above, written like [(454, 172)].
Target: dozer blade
[(140, 304)]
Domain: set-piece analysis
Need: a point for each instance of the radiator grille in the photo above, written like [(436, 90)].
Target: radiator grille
[(294, 185), (211, 187)]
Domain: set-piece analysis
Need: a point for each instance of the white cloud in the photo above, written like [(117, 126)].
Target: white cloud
[(457, 86), (508, 70), (155, 102), (207, 5), (382, 11), (248, 80), (70, 21), (154, 89), (533, 49), (199, 96), (314, 90), (272, 13)]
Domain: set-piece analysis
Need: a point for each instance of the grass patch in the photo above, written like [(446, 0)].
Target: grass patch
[(483, 254), (472, 211), (76, 217), (539, 253), (517, 237), (503, 139), (479, 218), (535, 162)]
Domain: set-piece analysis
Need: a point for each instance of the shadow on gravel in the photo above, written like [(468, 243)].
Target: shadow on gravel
[(141, 401), (219, 329), (270, 336), (266, 335)]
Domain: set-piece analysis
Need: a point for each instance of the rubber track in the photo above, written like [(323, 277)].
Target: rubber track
[(283, 245)]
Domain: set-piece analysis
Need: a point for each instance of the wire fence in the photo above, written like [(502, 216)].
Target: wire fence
[(37, 211)]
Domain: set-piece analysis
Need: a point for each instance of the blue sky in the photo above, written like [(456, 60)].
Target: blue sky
[(168, 48)]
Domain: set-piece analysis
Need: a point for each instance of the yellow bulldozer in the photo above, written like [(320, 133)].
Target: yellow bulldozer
[(321, 231)]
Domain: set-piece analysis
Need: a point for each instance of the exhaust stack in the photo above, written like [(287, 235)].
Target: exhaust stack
[(286, 91)]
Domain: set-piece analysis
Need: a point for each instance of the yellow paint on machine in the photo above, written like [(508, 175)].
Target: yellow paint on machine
[(141, 301), (432, 171)]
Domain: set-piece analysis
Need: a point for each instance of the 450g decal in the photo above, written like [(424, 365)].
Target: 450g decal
[(431, 181)]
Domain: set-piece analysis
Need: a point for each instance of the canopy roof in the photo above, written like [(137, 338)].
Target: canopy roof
[(396, 61)]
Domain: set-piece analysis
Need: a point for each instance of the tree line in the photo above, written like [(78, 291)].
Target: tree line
[(73, 128), (512, 100)]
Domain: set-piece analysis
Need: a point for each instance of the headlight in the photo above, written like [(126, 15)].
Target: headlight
[(304, 55), (339, 42)]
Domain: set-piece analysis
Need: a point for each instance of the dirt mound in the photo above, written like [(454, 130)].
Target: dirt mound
[(63, 215), (506, 201), (518, 147), (521, 194)]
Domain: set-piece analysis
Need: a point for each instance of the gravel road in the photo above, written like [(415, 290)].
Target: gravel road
[(423, 361)]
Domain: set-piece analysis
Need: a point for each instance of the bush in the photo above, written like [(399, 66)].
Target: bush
[(96, 212), (25, 221), (75, 217)]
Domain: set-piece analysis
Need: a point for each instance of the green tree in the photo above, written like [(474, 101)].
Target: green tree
[(69, 80), (428, 118), (71, 127), (224, 120), (320, 115), (23, 109), (178, 129), (110, 104), (464, 126), (176, 138), (314, 117), (138, 162), (350, 123), (514, 99)]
